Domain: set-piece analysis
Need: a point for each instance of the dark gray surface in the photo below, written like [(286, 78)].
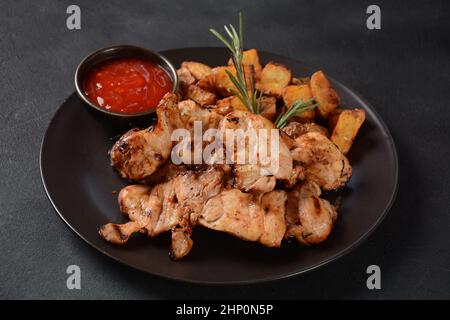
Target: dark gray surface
[(403, 70)]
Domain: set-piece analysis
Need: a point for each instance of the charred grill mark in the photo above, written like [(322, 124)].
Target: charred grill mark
[(316, 204), (342, 169), (122, 236), (115, 234), (174, 199), (305, 235), (233, 176), (123, 146), (159, 157), (234, 120)]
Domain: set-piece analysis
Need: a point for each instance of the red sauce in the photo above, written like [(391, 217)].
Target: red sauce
[(127, 85)]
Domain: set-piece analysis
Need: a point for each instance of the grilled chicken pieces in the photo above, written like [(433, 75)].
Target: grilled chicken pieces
[(138, 153), (309, 218), (239, 198), (246, 216), (244, 205), (198, 198), (258, 176), (174, 205), (322, 160)]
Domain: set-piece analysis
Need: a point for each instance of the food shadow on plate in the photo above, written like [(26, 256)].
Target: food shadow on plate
[(363, 144)]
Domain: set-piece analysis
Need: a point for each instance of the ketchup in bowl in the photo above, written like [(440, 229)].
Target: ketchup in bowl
[(127, 85)]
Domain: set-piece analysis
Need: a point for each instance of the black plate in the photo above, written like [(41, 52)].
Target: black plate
[(80, 182)]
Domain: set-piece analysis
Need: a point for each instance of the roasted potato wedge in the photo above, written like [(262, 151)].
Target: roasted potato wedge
[(222, 82), (267, 104), (251, 57), (274, 77), (197, 69), (202, 97), (345, 124), (324, 94), (293, 93)]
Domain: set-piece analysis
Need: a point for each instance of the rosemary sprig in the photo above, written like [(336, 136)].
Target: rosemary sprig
[(244, 91), (298, 107)]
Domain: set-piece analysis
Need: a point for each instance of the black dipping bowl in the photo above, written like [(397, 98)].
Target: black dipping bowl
[(117, 52)]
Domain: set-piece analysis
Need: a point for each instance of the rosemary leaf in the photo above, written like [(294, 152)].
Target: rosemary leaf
[(297, 108), (245, 90)]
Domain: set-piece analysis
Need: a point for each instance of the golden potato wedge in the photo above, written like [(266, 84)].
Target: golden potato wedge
[(202, 97), (293, 93), (324, 94), (274, 77), (268, 107), (222, 82), (267, 104), (251, 57), (197, 69), (345, 125)]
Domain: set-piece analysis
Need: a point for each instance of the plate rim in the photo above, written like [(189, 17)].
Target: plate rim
[(316, 266)]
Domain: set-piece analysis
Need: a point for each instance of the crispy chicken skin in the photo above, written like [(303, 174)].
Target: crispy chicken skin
[(309, 218), (322, 161), (138, 153), (252, 218), (296, 129)]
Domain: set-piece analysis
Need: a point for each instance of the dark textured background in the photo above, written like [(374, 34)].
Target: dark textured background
[(403, 70)]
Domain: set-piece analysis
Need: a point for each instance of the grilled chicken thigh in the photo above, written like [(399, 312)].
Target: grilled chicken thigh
[(138, 153), (198, 198), (296, 129), (309, 218), (322, 160), (257, 176), (172, 205), (252, 218)]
